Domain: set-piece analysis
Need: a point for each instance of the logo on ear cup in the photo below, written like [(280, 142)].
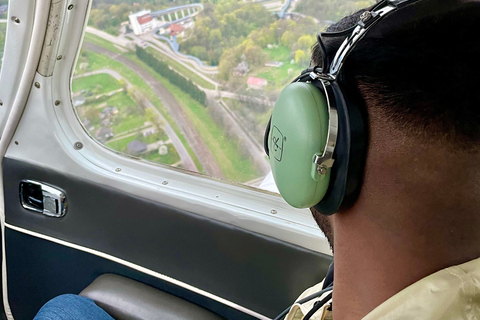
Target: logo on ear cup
[(277, 143)]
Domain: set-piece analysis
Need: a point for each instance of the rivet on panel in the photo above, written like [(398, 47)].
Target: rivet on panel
[(165, 183), (16, 142), (16, 19), (59, 57), (118, 170), (78, 145), (70, 7), (273, 211), (1, 103), (37, 84), (57, 102)]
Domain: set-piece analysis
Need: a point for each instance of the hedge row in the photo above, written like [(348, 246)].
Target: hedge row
[(163, 69)]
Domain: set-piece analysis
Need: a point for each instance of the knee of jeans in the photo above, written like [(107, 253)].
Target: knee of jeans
[(69, 299), (66, 307)]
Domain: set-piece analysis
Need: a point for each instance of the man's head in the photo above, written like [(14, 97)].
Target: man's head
[(417, 79)]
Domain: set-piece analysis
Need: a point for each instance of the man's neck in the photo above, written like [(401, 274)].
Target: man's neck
[(372, 264)]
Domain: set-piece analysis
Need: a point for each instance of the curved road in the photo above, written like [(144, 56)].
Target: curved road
[(204, 154)]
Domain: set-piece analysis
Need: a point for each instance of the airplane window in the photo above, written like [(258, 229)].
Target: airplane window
[(191, 84), (3, 27)]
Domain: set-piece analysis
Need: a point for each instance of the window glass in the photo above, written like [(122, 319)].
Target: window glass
[(191, 84), (3, 27)]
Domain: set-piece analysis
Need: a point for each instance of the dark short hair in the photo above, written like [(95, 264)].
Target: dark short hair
[(424, 74)]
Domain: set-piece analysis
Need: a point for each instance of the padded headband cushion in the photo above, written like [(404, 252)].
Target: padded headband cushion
[(298, 131)]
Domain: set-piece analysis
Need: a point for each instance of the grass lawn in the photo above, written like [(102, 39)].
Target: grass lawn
[(121, 145), (160, 135), (281, 53), (102, 83), (98, 61), (181, 69), (128, 122), (280, 77), (170, 158), (122, 101)]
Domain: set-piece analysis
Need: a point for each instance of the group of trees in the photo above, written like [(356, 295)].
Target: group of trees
[(297, 36), (222, 26), (164, 70), (327, 11)]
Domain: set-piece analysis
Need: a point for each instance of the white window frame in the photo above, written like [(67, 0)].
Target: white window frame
[(246, 207)]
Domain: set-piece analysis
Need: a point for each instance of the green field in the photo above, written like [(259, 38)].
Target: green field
[(129, 122), (121, 145), (280, 77), (170, 158), (98, 83), (181, 69), (100, 42), (281, 53), (123, 101)]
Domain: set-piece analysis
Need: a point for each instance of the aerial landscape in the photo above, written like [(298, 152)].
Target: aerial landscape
[(191, 84)]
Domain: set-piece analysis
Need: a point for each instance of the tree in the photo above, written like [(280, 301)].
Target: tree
[(300, 56), (254, 54), (228, 61), (288, 39), (305, 42), (152, 116)]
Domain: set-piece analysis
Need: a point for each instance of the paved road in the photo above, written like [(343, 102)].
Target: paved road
[(107, 36), (155, 44), (204, 154), (167, 50), (186, 160), (233, 95)]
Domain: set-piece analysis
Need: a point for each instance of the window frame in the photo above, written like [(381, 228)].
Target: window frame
[(247, 207)]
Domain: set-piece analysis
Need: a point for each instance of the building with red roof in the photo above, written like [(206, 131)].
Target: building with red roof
[(176, 29), (142, 22), (256, 83)]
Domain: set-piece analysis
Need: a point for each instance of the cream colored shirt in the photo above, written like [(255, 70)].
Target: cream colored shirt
[(451, 293)]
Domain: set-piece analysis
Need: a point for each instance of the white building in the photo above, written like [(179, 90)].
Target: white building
[(142, 22)]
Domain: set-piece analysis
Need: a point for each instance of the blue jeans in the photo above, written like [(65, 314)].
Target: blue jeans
[(71, 307)]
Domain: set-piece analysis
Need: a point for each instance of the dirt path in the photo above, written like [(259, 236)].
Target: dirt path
[(204, 154)]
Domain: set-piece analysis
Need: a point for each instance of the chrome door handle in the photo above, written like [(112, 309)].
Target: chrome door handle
[(43, 198)]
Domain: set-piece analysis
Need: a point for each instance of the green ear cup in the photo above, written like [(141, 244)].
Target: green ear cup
[(298, 132)]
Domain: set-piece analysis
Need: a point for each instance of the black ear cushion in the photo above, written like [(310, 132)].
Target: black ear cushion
[(350, 155), (359, 137)]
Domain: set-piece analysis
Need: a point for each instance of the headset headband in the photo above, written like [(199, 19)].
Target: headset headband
[(367, 20), (354, 34)]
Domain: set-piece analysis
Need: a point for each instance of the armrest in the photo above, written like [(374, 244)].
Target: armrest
[(127, 299)]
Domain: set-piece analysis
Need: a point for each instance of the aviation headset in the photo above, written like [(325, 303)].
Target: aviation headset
[(317, 136)]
